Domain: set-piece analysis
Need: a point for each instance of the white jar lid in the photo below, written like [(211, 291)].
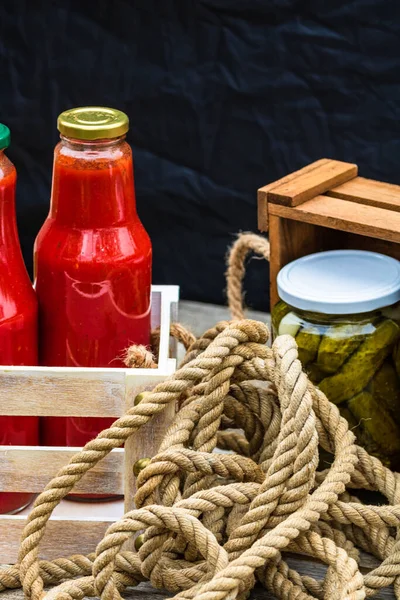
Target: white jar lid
[(340, 282)]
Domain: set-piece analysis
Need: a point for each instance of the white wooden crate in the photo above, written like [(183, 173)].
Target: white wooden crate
[(84, 392)]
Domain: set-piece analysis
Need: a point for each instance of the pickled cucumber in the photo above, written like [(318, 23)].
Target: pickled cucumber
[(289, 325), (356, 426), (314, 373), (338, 343), (386, 389), (362, 436), (278, 312), (350, 418), (308, 340), (361, 366), (364, 439), (376, 421)]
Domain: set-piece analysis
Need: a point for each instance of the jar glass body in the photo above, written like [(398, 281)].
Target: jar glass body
[(355, 361), (92, 270), (18, 322)]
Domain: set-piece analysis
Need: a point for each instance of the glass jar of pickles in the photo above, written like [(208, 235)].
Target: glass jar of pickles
[(343, 309)]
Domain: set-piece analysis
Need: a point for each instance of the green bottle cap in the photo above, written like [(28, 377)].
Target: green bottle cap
[(5, 136)]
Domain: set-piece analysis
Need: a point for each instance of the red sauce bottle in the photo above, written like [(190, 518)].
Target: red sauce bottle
[(92, 258), (18, 316)]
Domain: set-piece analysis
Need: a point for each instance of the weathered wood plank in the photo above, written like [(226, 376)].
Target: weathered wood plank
[(142, 592), (369, 192), (313, 182), (64, 391), (344, 215), (63, 537), (27, 469), (145, 441), (61, 391), (146, 592), (262, 193)]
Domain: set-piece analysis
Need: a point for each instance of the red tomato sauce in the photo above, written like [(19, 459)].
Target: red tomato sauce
[(93, 271), (18, 322)]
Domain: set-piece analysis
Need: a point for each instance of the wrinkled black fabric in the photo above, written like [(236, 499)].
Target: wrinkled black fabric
[(224, 96)]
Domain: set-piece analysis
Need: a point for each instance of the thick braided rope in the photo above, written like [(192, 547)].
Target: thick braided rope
[(344, 513), (178, 332), (213, 522), (227, 583), (171, 519), (228, 505), (108, 580), (290, 476), (245, 243), (168, 391)]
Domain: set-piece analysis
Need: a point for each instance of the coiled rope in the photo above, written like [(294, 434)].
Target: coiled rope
[(215, 523)]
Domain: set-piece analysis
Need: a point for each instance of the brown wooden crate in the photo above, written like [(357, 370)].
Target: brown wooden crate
[(325, 206)]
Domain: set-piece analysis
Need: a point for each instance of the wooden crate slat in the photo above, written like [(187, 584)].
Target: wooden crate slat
[(369, 192), (29, 469), (262, 193), (312, 183), (340, 214), (61, 391), (63, 537), (64, 391), (145, 440)]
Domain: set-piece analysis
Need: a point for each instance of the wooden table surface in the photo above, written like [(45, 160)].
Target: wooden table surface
[(199, 317), (305, 566)]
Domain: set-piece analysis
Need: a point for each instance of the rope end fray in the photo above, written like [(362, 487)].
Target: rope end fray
[(139, 357)]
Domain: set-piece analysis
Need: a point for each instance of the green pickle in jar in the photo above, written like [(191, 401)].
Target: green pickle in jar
[(343, 309)]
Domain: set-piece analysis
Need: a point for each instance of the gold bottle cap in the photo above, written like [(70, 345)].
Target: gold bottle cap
[(93, 123)]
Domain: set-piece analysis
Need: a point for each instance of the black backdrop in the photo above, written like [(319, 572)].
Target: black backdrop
[(223, 96)]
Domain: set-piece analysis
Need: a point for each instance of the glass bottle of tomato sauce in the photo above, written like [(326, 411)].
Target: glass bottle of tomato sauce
[(18, 316), (92, 258)]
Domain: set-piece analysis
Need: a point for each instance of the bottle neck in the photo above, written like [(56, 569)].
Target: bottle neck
[(8, 223), (93, 185)]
